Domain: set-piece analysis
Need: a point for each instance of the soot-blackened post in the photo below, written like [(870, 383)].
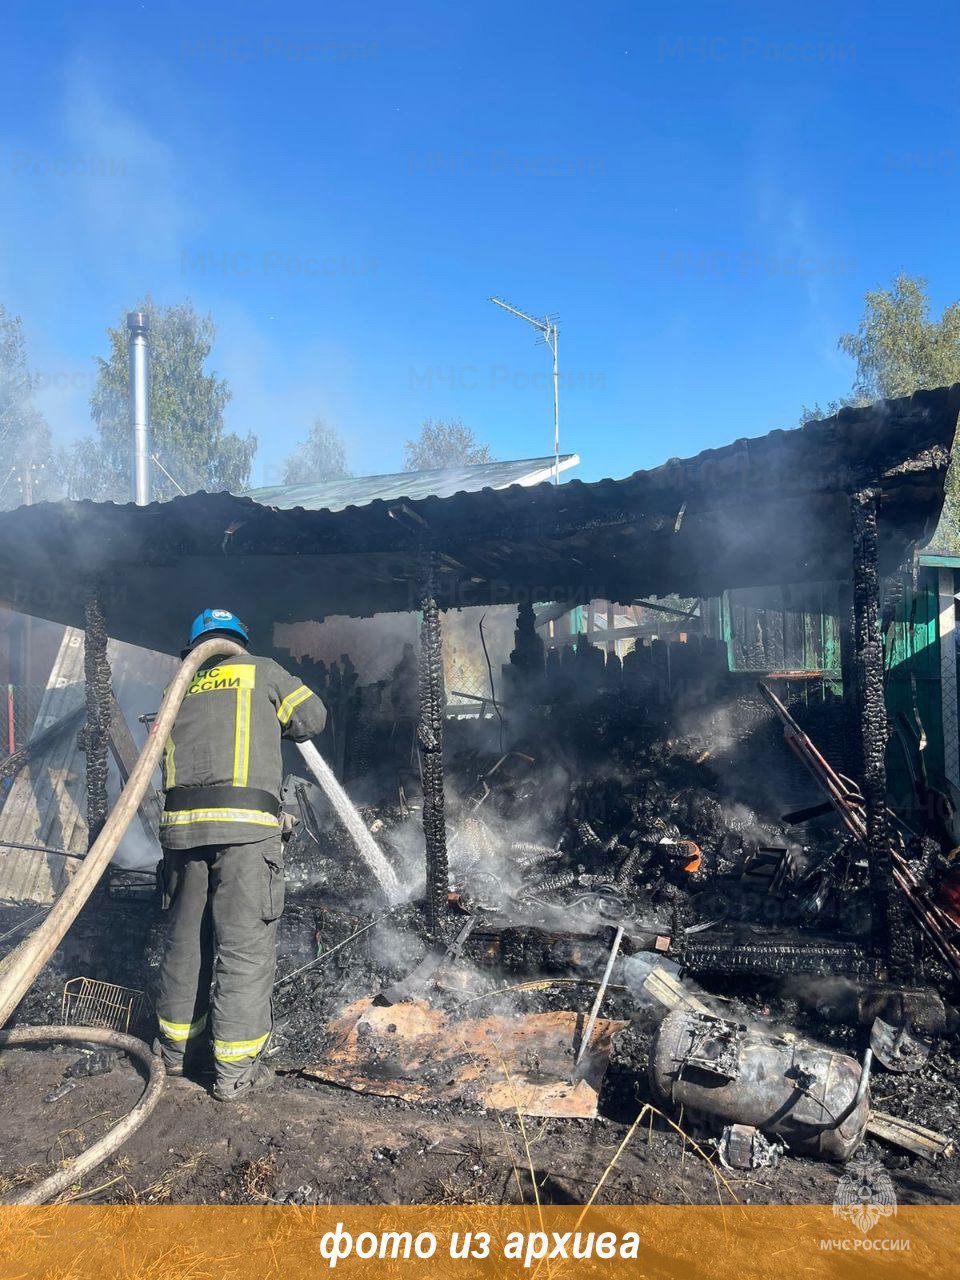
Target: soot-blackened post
[(95, 734), (430, 737), (892, 940)]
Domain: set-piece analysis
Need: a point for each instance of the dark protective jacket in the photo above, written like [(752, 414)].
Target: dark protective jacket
[(222, 769)]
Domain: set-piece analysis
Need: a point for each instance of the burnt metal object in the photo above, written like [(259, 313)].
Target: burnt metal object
[(714, 1047), (430, 738), (529, 950), (898, 1048), (815, 1100), (892, 935), (741, 1146), (502, 771), (94, 737), (528, 854), (415, 983), (552, 884), (601, 992), (88, 1002), (921, 1008)]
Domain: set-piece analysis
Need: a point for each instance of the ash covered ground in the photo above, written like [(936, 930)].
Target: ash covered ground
[(583, 819)]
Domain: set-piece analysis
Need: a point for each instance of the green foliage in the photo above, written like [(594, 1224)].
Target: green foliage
[(186, 412), (322, 456), (27, 471), (898, 349), (816, 412), (444, 444)]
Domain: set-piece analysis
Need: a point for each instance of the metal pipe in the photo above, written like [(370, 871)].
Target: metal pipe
[(591, 1021), (42, 848), (139, 361), (862, 1087)]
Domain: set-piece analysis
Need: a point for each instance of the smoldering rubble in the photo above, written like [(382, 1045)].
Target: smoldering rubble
[(679, 826), (637, 884)]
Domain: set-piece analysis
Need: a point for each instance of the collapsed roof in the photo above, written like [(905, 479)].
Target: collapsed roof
[(764, 511)]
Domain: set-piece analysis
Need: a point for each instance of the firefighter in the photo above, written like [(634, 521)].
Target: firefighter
[(223, 858)]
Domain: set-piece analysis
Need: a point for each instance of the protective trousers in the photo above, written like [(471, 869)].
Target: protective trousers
[(224, 903)]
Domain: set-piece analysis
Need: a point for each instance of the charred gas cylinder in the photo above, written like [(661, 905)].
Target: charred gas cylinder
[(810, 1097)]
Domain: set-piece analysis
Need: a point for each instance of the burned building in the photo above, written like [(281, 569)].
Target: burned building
[(601, 810)]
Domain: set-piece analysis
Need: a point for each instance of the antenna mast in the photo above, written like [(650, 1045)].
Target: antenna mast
[(547, 328)]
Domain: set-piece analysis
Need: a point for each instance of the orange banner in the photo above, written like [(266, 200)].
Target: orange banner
[(294, 1243)]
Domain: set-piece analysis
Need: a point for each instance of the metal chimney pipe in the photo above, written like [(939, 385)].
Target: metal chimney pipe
[(138, 349)]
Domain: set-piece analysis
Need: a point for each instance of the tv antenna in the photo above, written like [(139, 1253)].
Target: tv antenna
[(547, 328)]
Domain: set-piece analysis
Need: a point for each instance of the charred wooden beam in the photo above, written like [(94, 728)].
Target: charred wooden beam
[(95, 734), (892, 935), (430, 737)]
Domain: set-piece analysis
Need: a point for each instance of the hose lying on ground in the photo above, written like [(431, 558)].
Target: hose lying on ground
[(45, 1191)]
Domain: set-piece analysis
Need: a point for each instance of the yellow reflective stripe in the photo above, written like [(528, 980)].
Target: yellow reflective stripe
[(180, 817), (291, 701), (231, 1050), (182, 1030), (169, 768), (241, 739)]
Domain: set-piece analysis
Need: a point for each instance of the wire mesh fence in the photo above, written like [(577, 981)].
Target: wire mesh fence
[(19, 706)]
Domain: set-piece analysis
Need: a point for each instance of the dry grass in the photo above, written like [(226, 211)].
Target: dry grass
[(21, 1178), (162, 1188), (258, 1178), (34, 1243)]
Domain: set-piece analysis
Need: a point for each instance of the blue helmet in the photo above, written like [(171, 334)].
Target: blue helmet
[(213, 622)]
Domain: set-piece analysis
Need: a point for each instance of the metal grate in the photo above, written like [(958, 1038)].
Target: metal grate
[(89, 1003)]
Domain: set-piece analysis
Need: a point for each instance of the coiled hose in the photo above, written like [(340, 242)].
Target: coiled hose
[(121, 1131), (21, 966)]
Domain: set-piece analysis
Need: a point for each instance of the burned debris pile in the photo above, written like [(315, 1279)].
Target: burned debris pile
[(661, 849), (608, 819)]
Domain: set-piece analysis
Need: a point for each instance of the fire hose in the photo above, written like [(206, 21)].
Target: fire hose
[(95, 1155), (22, 965)]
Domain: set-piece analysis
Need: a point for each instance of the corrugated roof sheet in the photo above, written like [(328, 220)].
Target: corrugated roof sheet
[(443, 482), (770, 510)]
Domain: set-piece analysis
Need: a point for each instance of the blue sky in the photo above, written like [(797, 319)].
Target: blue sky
[(702, 193)]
